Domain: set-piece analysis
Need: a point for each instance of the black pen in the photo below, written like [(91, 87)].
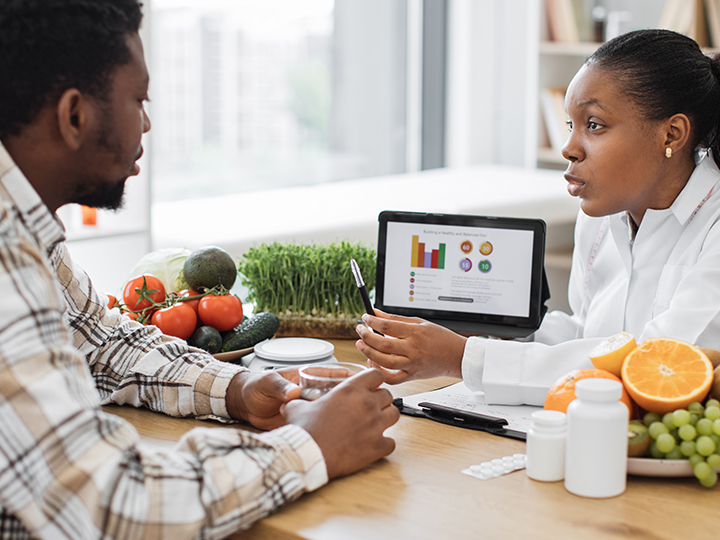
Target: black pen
[(363, 290)]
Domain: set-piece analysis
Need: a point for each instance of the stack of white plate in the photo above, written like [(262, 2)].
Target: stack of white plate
[(289, 352)]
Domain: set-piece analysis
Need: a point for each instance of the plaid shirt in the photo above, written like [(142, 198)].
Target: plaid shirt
[(70, 470)]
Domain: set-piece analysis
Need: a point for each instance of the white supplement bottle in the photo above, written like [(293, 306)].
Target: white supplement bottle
[(596, 451), (546, 446)]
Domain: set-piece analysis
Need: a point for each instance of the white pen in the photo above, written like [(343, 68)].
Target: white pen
[(363, 290)]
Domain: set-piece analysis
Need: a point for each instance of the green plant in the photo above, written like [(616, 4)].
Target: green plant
[(307, 280)]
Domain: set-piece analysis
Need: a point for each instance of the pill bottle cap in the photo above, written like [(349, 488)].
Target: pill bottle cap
[(548, 418), (598, 389)]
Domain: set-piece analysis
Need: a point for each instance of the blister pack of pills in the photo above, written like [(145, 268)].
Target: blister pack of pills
[(496, 467)]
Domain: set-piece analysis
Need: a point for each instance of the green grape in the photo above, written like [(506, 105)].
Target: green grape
[(687, 432), (696, 407), (712, 403), (658, 428), (654, 452), (694, 417), (667, 419), (674, 454), (716, 427), (704, 426), (665, 443), (713, 460), (650, 418), (702, 470), (711, 480), (712, 413), (681, 417), (705, 445), (716, 439), (687, 448), (695, 459)]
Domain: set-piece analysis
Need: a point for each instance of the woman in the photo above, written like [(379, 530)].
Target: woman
[(643, 155)]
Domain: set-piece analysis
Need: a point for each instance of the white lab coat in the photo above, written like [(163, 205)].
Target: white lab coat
[(664, 284)]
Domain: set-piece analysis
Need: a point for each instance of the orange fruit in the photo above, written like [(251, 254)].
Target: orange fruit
[(609, 354), (562, 392), (665, 374)]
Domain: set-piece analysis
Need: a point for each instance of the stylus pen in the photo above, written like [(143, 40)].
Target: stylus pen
[(363, 290)]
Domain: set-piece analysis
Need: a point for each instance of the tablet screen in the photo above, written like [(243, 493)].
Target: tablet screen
[(462, 271)]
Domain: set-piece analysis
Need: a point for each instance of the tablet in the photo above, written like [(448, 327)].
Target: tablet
[(474, 274)]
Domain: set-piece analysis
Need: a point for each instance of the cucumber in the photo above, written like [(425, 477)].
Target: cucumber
[(248, 333)]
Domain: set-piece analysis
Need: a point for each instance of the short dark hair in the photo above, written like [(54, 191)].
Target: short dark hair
[(48, 46), (666, 73)]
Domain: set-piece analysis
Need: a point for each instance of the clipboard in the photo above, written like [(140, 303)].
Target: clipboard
[(463, 419), (457, 406)]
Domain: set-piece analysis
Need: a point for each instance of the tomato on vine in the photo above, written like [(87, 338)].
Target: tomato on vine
[(187, 293), (143, 292), (112, 301), (178, 320), (222, 312)]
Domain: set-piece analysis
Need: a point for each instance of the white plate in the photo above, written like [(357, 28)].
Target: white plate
[(294, 349), (660, 467)]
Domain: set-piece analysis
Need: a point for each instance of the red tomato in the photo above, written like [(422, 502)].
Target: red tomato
[(112, 301), (192, 303), (131, 314), (221, 312), (138, 290), (177, 320)]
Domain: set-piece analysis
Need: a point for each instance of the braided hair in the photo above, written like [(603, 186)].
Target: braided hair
[(48, 46)]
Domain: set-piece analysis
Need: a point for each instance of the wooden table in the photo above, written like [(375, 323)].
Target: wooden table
[(419, 493)]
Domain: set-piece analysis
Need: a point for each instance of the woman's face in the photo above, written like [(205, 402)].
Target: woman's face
[(616, 157)]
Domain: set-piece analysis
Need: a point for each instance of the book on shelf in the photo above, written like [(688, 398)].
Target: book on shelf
[(552, 104), (712, 14), (562, 21), (690, 17)]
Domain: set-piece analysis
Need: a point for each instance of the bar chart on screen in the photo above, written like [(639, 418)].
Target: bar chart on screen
[(420, 258)]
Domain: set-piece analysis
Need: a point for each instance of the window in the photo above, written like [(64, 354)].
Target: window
[(254, 95)]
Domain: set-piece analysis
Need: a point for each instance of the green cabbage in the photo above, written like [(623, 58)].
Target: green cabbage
[(165, 264)]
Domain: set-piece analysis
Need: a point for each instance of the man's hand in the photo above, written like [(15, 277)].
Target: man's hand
[(348, 422), (257, 397), (411, 348)]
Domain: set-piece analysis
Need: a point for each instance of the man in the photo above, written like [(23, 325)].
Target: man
[(72, 90)]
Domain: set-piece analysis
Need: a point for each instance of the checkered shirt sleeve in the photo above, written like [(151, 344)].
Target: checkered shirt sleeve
[(70, 470)]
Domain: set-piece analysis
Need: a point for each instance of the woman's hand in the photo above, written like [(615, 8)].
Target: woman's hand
[(411, 348)]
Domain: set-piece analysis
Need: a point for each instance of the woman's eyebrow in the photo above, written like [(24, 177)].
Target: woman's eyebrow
[(585, 103)]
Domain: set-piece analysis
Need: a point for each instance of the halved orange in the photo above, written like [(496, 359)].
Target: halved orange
[(665, 374)]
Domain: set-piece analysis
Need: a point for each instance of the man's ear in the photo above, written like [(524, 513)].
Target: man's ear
[(73, 117), (677, 132)]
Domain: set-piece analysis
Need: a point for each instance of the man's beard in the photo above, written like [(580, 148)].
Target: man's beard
[(108, 197)]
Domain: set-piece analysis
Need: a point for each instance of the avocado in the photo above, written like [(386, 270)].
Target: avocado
[(206, 338), (248, 333), (209, 267)]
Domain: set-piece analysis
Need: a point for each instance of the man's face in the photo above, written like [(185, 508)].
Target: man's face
[(112, 156)]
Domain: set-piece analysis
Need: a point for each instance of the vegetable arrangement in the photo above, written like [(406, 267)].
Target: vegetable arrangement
[(307, 280), (207, 316)]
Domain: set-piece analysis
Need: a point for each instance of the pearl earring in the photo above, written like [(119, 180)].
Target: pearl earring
[(668, 152)]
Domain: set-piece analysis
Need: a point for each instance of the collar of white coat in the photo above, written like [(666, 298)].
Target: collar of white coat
[(699, 188)]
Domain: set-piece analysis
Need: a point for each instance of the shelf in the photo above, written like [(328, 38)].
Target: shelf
[(558, 48), (550, 155)]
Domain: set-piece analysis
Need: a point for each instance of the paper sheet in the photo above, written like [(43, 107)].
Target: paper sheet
[(458, 396)]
